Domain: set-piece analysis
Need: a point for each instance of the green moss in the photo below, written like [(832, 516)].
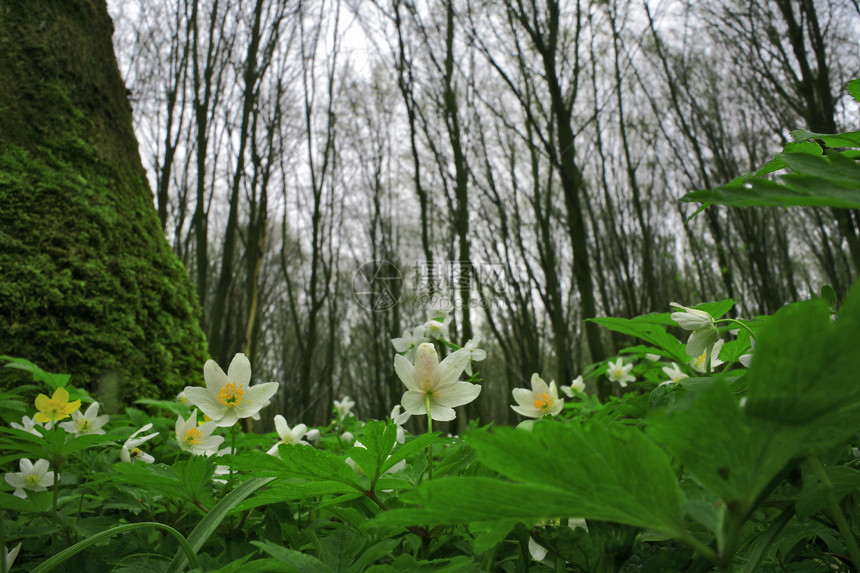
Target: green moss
[(88, 283)]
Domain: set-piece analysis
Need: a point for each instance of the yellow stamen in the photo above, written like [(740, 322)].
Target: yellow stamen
[(135, 453), (33, 480), (231, 395), (83, 426), (543, 402), (192, 437)]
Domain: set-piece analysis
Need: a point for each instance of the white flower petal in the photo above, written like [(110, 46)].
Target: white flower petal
[(455, 394), (239, 372), (452, 367), (206, 400), (414, 402), (405, 371), (214, 377)]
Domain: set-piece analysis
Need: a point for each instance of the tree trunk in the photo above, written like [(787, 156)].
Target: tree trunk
[(89, 284)]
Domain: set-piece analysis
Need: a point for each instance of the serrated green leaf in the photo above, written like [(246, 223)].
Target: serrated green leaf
[(286, 490), (378, 438), (721, 447), (805, 368), (310, 463), (854, 89), (295, 560), (847, 139), (372, 554), (599, 466), (844, 480), (195, 475), (564, 470), (489, 534), (649, 329), (53, 380)]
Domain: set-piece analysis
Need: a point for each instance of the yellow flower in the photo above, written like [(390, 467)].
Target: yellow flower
[(55, 408)]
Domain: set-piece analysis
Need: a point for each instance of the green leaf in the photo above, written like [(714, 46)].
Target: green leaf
[(844, 480), (313, 464), (649, 329), (721, 447), (413, 446), (777, 162), (213, 519), (195, 475), (805, 369), (848, 139), (378, 438), (564, 470), (53, 380), (55, 560), (288, 490), (600, 466), (295, 560), (766, 193), (854, 89), (489, 534)]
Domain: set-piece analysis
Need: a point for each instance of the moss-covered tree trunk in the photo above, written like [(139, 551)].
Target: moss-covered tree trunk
[(88, 283)]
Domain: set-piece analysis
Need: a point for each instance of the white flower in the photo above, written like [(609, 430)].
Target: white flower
[(704, 331), (34, 477), (131, 451), (229, 397), (344, 406), (618, 372), (182, 398), (197, 439), (358, 469), (407, 343), (87, 423), (475, 354), (313, 436), (429, 381), (437, 329), (576, 387), (674, 373), (400, 419), (9, 556), (746, 359), (538, 552), (652, 357), (288, 436), (221, 470), (699, 364), (29, 425), (539, 401)]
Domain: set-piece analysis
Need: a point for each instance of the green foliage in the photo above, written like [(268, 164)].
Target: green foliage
[(822, 171)]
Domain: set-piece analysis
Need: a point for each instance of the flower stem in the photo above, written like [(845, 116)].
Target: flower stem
[(739, 323), (429, 431), (835, 510)]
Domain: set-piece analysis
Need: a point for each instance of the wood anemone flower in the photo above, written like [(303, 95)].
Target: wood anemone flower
[(436, 384), (229, 397), (541, 400), (704, 332), (195, 439)]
